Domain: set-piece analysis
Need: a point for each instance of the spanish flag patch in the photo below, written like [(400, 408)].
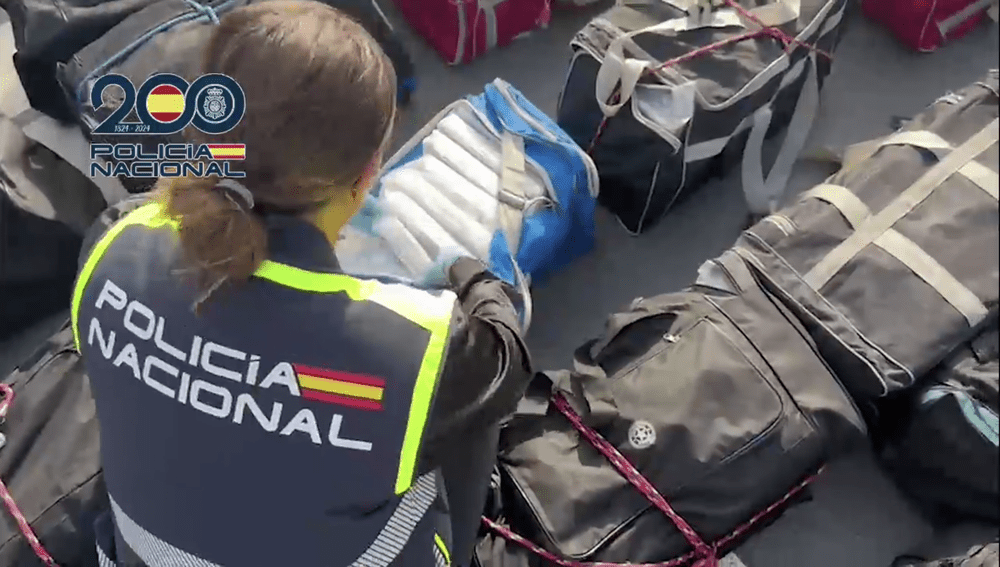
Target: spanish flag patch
[(165, 103), (341, 388), (227, 151)]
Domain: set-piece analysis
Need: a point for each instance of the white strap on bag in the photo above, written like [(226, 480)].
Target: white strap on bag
[(512, 175), (763, 195), (488, 10), (512, 181), (947, 25), (622, 72), (775, 14), (618, 70)]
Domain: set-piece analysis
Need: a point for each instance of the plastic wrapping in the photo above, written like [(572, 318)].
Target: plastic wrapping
[(468, 233)]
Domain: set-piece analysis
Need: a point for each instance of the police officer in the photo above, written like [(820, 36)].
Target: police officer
[(258, 407)]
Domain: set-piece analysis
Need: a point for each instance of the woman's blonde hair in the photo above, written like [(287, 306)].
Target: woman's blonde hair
[(320, 102)]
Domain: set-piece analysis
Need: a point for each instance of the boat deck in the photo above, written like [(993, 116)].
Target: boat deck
[(857, 518)]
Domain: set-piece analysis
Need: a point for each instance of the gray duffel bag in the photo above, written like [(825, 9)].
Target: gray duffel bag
[(893, 262), (684, 428)]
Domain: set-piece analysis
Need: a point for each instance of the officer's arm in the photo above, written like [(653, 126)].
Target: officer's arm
[(106, 220), (487, 367)]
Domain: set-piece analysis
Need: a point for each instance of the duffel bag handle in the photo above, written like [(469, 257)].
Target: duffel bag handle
[(948, 25), (512, 174), (764, 194), (619, 74)]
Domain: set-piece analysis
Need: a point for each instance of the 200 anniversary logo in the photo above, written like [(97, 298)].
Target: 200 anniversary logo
[(163, 106)]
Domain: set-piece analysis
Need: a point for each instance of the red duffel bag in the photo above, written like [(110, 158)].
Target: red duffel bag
[(461, 30), (926, 25)]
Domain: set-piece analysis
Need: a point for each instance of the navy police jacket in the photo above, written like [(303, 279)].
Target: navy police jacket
[(300, 419)]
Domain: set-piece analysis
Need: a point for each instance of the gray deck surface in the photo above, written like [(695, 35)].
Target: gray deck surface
[(857, 518)]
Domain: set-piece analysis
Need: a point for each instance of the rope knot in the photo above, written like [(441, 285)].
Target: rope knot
[(709, 560), (204, 10)]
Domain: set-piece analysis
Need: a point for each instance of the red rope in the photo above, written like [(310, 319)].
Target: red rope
[(8, 500), (769, 31), (8, 399), (703, 555), (704, 552)]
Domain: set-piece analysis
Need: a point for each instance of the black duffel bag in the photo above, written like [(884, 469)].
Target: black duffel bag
[(46, 204), (50, 460), (48, 32), (946, 455), (685, 427), (665, 95)]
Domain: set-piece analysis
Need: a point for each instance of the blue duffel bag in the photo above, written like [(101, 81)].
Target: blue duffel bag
[(491, 177)]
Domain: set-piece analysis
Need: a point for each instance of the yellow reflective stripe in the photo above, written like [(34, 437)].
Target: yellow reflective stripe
[(432, 312), (304, 280), (442, 548), (420, 307), (423, 390), (144, 215)]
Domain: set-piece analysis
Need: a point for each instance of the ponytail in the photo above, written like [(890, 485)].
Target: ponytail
[(222, 239), (314, 122)]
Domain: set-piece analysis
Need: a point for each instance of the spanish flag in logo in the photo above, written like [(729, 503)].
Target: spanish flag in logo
[(165, 103), (340, 388), (227, 151)]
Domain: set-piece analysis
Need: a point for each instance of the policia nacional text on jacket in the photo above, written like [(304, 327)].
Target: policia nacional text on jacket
[(184, 463)]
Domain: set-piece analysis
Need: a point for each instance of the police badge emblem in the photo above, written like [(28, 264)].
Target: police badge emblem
[(214, 106)]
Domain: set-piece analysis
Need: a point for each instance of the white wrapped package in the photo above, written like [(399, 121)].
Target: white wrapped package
[(487, 151), (458, 190), (433, 238), (471, 235), (361, 252), (461, 161), (407, 249)]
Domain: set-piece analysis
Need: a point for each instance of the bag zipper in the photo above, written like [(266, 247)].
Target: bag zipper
[(666, 341)]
